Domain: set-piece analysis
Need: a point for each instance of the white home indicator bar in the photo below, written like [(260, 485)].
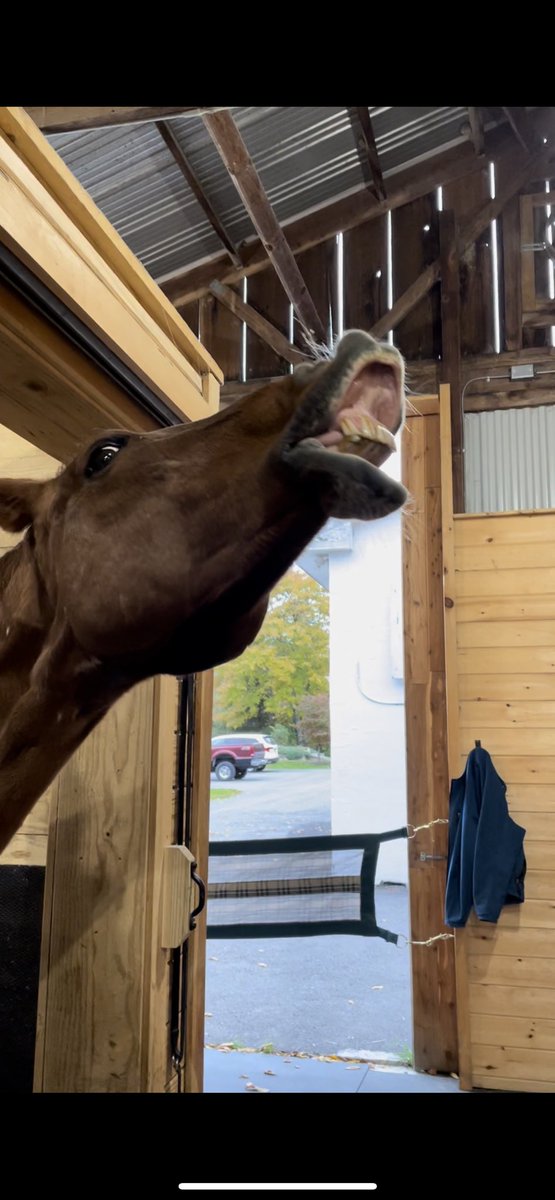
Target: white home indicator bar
[(278, 1187)]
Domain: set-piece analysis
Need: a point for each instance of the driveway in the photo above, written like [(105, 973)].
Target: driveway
[(320, 995)]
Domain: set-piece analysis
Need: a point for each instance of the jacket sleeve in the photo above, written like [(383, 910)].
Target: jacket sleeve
[(463, 824), (499, 863)]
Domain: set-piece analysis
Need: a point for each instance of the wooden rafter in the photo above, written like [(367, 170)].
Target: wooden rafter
[(65, 120), (357, 209), (234, 154), (305, 232), (259, 324), (366, 142), (517, 118), (476, 129), (530, 169), (197, 189)]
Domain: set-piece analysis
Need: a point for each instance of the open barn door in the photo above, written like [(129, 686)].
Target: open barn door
[(88, 342)]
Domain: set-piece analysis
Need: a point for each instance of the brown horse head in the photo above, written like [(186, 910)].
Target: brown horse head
[(155, 553)]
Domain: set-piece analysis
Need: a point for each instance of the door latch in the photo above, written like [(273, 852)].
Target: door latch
[(179, 914)]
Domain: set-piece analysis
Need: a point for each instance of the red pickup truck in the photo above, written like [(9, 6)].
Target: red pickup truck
[(235, 754)]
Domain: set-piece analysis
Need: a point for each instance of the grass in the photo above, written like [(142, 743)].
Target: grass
[(297, 765), (217, 793)]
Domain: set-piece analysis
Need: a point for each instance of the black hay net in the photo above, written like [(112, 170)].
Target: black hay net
[(296, 887)]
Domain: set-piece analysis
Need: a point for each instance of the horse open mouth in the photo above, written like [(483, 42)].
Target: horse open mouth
[(343, 430), (368, 412)]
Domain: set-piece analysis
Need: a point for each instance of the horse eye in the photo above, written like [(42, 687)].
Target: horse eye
[(101, 457)]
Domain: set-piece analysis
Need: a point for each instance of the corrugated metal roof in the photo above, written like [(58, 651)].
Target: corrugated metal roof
[(305, 157), (509, 459)]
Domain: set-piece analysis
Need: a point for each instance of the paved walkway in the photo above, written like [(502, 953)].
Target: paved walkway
[(239, 1072)]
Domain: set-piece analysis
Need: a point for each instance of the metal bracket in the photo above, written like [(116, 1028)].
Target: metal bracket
[(433, 857)]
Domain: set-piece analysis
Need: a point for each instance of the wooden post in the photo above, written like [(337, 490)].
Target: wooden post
[(451, 345), (452, 702), (433, 975)]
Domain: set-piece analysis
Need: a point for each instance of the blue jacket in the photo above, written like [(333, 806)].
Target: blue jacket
[(485, 862)]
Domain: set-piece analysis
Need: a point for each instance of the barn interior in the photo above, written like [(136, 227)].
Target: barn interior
[(157, 265)]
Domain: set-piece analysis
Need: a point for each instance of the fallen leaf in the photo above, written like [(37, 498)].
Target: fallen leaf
[(355, 1067), (209, 1014), (243, 1077), (212, 958), (350, 1001), (269, 1072), (251, 1087), (262, 964), (377, 987)]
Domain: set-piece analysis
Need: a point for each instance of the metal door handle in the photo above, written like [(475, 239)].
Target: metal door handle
[(202, 896)]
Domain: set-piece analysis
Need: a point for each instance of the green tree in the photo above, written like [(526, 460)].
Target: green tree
[(287, 661), (313, 722)]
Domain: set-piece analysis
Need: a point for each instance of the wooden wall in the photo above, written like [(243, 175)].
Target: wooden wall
[(504, 691)]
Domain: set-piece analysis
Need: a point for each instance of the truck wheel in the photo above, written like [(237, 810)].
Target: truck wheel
[(225, 770)]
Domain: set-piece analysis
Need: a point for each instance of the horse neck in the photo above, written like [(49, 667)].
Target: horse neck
[(23, 625), (43, 716)]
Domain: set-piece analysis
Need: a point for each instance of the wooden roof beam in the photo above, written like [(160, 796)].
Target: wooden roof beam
[(366, 143), (264, 329), (65, 120), (234, 154), (197, 189), (304, 232), (347, 213)]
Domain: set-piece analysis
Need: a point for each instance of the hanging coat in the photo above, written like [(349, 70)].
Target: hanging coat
[(485, 862)]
